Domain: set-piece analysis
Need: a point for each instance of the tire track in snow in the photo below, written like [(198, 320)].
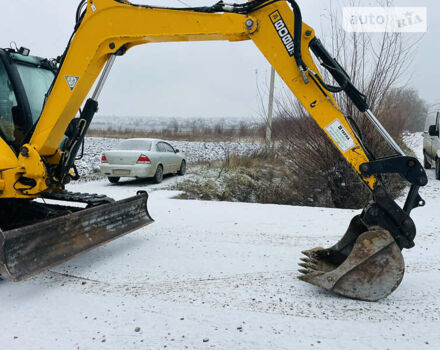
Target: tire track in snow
[(264, 292)]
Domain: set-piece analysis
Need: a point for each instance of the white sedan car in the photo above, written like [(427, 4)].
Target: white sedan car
[(142, 158)]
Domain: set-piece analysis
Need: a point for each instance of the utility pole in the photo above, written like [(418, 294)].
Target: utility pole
[(270, 109)]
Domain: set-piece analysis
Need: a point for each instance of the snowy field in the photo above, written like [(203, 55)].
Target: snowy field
[(216, 275), (194, 151)]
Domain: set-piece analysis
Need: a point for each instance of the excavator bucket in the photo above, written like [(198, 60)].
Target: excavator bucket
[(31, 249), (366, 265)]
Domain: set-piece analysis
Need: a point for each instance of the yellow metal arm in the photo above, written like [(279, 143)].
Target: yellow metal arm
[(110, 25), (321, 107)]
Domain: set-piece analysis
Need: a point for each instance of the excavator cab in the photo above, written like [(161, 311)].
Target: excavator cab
[(34, 235), (24, 83)]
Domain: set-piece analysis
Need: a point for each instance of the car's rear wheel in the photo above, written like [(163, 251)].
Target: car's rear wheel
[(437, 169), (113, 179), (182, 169), (426, 163), (158, 176)]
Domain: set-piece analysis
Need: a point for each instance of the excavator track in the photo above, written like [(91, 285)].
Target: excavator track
[(91, 200), (36, 247)]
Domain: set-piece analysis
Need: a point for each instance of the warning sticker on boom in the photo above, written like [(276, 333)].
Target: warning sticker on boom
[(340, 135), (71, 81)]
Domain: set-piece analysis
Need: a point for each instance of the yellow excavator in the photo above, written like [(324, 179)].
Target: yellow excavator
[(42, 224)]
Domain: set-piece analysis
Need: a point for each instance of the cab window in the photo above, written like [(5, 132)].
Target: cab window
[(8, 104), (36, 82)]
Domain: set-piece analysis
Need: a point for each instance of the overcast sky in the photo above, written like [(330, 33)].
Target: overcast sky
[(210, 79)]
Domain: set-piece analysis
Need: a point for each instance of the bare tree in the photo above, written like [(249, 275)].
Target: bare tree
[(174, 126), (377, 64), (406, 109)]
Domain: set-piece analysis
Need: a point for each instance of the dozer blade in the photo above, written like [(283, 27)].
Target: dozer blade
[(367, 267), (29, 250)]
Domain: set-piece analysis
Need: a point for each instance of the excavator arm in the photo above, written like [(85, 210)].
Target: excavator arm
[(107, 29)]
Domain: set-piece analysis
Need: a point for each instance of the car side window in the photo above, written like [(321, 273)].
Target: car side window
[(161, 147), (169, 148)]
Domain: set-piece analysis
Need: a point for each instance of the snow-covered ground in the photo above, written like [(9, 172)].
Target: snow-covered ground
[(221, 275), (194, 151)]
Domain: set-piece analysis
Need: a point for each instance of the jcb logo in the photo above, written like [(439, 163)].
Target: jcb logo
[(283, 32), (275, 16)]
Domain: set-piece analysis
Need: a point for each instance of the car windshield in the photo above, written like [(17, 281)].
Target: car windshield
[(37, 82), (134, 145)]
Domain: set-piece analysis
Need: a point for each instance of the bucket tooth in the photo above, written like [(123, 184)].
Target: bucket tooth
[(306, 253), (309, 265)]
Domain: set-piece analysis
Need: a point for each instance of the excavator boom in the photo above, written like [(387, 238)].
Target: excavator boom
[(368, 256)]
